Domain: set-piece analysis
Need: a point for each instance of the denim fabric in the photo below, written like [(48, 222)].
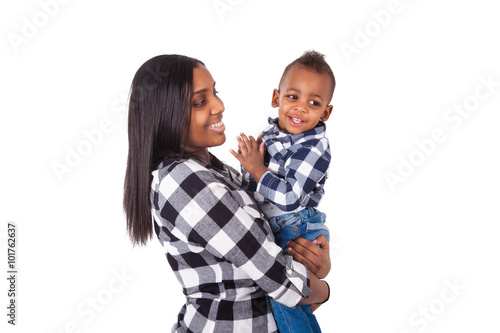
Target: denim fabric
[(299, 319), (308, 223)]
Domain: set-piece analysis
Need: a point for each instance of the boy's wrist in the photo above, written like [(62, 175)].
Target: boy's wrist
[(257, 172)]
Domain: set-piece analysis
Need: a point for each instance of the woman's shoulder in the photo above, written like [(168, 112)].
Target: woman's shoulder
[(192, 177), (178, 168)]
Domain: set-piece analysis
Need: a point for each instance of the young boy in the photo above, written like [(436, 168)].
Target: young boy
[(287, 171)]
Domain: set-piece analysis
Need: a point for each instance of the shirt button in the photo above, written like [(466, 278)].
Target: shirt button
[(289, 271), (277, 133), (295, 228)]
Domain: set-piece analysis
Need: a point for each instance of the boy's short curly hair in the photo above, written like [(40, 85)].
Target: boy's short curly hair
[(314, 61)]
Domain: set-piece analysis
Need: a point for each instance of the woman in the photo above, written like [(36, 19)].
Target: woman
[(216, 241)]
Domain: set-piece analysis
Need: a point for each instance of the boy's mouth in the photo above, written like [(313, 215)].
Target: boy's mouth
[(295, 121)]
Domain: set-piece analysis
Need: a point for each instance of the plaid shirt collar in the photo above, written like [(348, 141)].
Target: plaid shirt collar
[(273, 129)]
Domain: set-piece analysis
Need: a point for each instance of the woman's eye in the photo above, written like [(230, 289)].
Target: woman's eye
[(216, 92), (198, 103)]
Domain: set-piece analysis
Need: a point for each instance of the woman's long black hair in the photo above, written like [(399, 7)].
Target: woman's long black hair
[(159, 110)]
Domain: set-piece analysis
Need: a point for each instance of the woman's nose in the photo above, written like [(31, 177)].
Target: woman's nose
[(218, 106)]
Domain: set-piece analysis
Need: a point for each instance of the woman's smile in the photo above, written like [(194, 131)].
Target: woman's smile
[(218, 126)]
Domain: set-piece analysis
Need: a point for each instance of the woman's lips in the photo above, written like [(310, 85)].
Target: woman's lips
[(218, 126)]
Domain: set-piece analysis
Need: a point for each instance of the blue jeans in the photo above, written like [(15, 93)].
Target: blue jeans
[(308, 223)]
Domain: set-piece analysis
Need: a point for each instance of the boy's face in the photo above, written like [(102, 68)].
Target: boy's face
[(302, 100)]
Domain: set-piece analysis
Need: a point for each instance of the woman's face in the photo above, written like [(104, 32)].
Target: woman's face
[(206, 126)]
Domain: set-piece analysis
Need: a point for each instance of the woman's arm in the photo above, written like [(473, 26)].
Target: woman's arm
[(226, 222), (320, 291), (317, 261)]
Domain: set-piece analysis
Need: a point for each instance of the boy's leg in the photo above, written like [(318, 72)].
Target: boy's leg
[(287, 227), (312, 319), (308, 223), (314, 225), (288, 320), (295, 320)]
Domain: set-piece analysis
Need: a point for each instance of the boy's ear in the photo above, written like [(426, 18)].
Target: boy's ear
[(326, 114), (275, 101)]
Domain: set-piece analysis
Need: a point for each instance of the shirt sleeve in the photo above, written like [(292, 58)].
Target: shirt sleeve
[(226, 222), (304, 169), (248, 183)]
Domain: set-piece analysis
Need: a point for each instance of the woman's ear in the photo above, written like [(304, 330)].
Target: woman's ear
[(275, 101), (326, 114)]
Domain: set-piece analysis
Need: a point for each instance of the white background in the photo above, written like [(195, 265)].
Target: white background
[(395, 252)]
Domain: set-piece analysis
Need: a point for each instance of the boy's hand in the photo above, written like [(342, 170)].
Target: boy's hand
[(251, 155)]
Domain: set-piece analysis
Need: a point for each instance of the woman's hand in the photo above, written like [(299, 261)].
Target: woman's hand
[(316, 259)]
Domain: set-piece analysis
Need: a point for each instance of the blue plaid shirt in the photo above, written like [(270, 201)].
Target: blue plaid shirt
[(297, 164)]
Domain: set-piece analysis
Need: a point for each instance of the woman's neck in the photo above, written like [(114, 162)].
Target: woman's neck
[(203, 155)]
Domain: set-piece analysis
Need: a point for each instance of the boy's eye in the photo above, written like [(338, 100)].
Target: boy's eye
[(314, 103), (292, 96)]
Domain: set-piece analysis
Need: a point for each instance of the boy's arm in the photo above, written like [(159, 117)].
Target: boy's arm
[(251, 156), (304, 169)]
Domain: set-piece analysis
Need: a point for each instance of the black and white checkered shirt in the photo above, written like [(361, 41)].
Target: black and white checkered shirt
[(221, 250)]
